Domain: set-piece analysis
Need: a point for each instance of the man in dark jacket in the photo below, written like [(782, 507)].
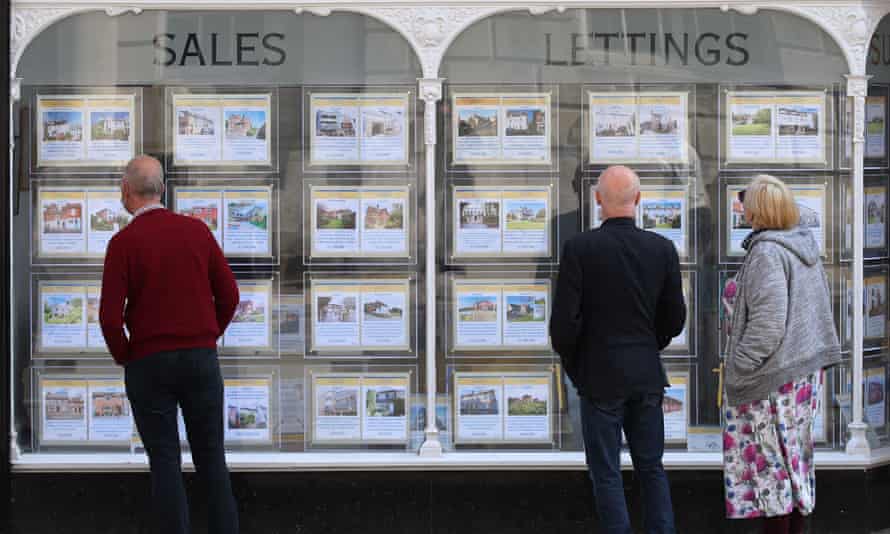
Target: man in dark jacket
[(167, 279), (619, 302)]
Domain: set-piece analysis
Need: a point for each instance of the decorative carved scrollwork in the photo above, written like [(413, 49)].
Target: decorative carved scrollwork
[(431, 29)]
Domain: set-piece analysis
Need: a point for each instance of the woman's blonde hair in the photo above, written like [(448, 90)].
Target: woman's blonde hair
[(771, 204)]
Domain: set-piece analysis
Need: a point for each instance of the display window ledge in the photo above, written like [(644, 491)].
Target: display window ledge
[(352, 461)]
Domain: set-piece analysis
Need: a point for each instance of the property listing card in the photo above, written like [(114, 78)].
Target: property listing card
[(247, 409), (85, 130), (109, 412), (876, 216), (64, 411), (63, 325), (357, 315), (291, 324), (251, 326), (95, 338), (491, 129), (675, 406), (681, 342), (477, 314), (360, 222), (875, 127), (202, 203), (874, 303), (528, 408), (106, 217), (479, 408), (507, 408), (664, 210), (240, 218), (77, 222), (875, 396), (526, 314), (737, 227), (359, 129), (337, 415), (500, 315), (812, 202), (386, 408), (61, 228), (246, 221), (595, 216), (501, 221), (776, 127), (630, 127), (218, 129)]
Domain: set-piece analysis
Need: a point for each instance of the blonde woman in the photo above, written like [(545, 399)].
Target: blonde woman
[(781, 337)]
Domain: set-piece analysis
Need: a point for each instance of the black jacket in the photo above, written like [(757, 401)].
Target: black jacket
[(619, 302)]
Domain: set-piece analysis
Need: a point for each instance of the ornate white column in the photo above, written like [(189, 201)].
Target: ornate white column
[(430, 90), (857, 89), (15, 94)]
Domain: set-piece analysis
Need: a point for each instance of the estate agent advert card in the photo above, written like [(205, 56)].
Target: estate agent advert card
[(360, 222), (238, 217), (62, 229), (247, 409), (360, 315), (109, 412), (874, 303), (875, 127), (776, 127), (681, 342), (663, 209), (336, 415), (63, 325), (513, 408), (64, 410), (291, 324), (501, 221), (676, 408), (85, 130), (876, 217), (95, 338), (638, 127), (354, 408), (875, 396), (491, 129), (359, 129), (62, 232), (251, 326), (812, 202), (498, 315), (224, 130)]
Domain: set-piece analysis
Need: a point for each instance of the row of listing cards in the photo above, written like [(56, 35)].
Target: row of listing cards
[(78, 222), (95, 411), (68, 318), (374, 408), (348, 316), (344, 129)]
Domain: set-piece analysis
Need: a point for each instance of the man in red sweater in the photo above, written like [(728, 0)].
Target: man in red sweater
[(167, 279)]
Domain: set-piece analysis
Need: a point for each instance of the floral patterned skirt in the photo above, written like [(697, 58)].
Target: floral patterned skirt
[(768, 452)]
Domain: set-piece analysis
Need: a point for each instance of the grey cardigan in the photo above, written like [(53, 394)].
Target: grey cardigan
[(782, 325)]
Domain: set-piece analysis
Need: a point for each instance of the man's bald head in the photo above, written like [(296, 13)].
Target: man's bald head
[(618, 192), (144, 177), (142, 184)]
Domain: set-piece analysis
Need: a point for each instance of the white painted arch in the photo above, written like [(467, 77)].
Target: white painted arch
[(431, 29)]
